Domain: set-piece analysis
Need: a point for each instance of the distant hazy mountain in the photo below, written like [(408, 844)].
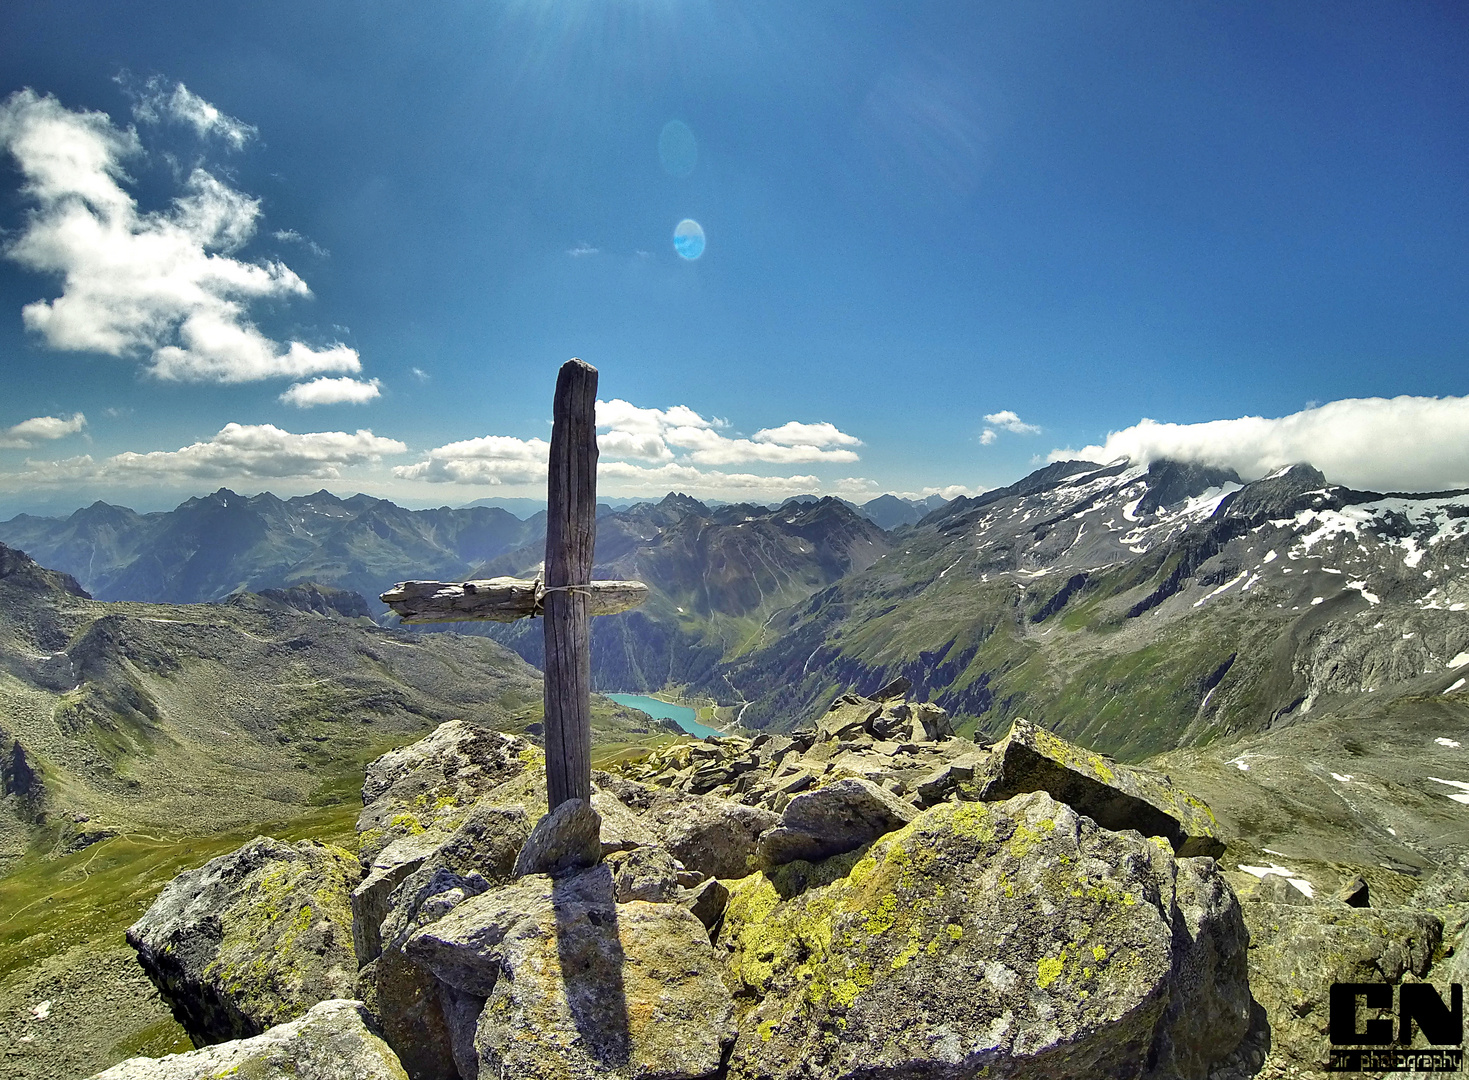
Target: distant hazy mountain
[(209, 547)]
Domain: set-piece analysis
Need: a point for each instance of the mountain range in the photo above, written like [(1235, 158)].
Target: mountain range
[(1132, 608), (211, 546)]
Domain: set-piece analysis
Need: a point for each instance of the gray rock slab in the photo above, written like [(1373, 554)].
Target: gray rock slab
[(564, 841), (837, 818), (1114, 795), (578, 985), (333, 1041)]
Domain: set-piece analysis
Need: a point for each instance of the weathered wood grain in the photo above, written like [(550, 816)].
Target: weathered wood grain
[(501, 599), (571, 532)]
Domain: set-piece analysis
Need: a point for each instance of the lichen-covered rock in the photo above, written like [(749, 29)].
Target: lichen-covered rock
[(1113, 795), (577, 985), (486, 843), (645, 873), (428, 787), (712, 837), (831, 820), (1016, 939), (1209, 1005), (371, 897), (409, 1002), (333, 1041), (1297, 952), (567, 839), (848, 717), (622, 829), (252, 939)]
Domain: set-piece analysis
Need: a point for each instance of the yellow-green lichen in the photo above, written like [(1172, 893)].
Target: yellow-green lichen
[(1048, 969)]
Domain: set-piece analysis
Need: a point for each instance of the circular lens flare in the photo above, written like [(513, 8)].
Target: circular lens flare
[(677, 149), (688, 239)]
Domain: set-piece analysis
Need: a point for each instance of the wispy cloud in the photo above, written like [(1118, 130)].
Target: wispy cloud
[(581, 251), (325, 391), (419, 374), (1402, 443), (243, 451), (291, 236), (156, 101), (162, 286), (27, 433)]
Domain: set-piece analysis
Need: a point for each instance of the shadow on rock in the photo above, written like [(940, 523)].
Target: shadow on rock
[(589, 949)]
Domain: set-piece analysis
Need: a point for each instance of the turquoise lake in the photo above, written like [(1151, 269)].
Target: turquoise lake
[(662, 710)]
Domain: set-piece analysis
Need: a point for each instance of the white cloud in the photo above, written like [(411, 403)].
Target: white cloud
[(1008, 420), (419, 374), (1402, 443), (244, 451), (490, 459), (581, 251), (987, 437), (25, 434), (158, 101), (654, 450), (159, 285), (655, 435), (797, 434), (325, 391)]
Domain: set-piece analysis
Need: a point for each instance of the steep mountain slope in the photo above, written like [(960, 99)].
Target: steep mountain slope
[(716, 576), (197, 719), (1138, 609), (209, 547)]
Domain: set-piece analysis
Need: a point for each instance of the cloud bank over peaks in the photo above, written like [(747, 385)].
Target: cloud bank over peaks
[(161, 286), (658, 435), (25, 434), (1384, 444), (238, 451), (644, 450)]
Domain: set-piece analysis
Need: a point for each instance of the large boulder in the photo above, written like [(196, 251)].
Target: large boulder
[(1113, 795), (486, 842), (333, 1041), (712, 837), (575, 985), (252, 939), (429, 787), (1297, 951), (1016, 939), (831, 820), (567, 839), (415, 1010)]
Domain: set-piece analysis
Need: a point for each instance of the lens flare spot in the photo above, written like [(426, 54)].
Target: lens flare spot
[(688, 239), (677, 149)]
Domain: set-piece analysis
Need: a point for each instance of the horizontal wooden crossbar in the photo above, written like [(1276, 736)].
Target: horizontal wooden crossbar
[(501, 599)]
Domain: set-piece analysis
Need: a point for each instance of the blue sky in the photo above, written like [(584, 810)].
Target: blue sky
[(1063, 217)]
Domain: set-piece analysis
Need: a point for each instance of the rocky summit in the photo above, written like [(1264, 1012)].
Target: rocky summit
[(868, 896)]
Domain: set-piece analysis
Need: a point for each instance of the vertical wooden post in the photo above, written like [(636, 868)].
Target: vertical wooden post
[(571, 531)]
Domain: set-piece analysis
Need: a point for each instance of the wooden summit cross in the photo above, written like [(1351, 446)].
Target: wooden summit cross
[(565, 593)]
